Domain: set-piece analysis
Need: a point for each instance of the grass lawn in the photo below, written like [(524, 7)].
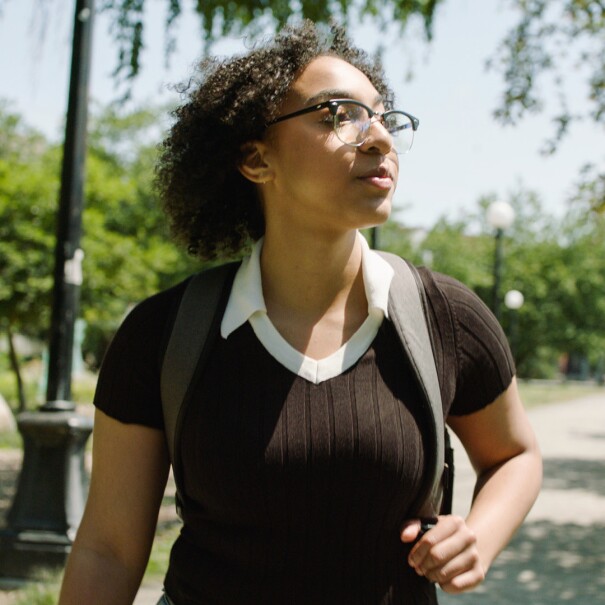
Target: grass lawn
[(160, 553), (534, 393)]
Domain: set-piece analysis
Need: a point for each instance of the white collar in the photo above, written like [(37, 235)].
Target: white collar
[(246, 296)]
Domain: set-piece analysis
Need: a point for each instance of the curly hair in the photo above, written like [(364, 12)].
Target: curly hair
[(212, 209)]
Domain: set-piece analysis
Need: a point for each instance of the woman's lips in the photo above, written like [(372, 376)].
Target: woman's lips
[(379, 177), (378, 181)]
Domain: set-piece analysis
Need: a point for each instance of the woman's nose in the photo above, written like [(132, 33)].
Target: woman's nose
[(379, 139)]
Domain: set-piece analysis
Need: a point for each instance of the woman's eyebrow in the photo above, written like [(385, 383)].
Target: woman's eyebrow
[(335, 93)]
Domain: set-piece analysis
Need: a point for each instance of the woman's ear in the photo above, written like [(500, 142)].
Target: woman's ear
[(253, 164)]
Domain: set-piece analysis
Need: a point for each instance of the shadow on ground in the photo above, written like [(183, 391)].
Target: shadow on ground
[(9, 473), (575, 474), (545, 564)]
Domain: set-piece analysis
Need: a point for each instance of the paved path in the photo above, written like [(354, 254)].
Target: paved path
[(558, 557)]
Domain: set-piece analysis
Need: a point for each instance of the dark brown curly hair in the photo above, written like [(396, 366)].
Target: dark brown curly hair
[(212, 209)]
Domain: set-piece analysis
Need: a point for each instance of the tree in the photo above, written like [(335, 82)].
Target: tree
[(250, 17), (557, 265), (242, 17), (28, 186), (590, 190), (126, 242), (127, 251), (560, 40)]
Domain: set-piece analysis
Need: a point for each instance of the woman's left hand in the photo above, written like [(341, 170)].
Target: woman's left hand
[(446, 554)]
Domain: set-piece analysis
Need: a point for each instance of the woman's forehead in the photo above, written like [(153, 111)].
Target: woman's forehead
[(328, 78)]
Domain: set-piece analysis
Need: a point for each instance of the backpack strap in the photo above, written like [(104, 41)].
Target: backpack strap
[(408, 312), (194, 330), (197, 324)]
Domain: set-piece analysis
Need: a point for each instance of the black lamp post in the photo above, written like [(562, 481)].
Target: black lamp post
[(500, 216), (52, 486)]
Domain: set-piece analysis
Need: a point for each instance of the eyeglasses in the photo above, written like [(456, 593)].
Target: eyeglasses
[(352, 121)]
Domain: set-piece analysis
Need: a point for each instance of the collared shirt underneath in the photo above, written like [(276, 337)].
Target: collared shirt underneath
[(247, 303)]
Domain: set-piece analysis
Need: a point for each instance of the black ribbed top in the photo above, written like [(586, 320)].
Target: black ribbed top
[(295, 492)]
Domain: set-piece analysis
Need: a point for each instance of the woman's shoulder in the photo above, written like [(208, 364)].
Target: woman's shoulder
[(458, 303), (452, 289), (155, 308), (128, 387), (472, 341)]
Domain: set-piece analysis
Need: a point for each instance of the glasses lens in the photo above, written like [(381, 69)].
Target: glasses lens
[(351, 123), (401, 129)]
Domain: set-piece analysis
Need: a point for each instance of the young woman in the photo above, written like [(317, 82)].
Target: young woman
[(302, 445)]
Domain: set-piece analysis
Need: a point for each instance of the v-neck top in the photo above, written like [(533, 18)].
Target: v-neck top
[(246, 303), (295, 490)]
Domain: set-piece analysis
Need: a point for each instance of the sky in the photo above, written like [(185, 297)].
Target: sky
[(460, 152)]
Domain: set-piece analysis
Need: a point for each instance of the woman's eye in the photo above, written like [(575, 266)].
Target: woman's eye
[(345, 115), (351, 113)]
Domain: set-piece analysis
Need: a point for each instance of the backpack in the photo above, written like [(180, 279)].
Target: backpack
[(197, 325)]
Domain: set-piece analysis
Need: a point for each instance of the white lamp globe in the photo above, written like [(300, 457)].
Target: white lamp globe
[(513, 299), (500, 215)]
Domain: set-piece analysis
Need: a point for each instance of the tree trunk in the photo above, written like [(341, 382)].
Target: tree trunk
[(14, 361)]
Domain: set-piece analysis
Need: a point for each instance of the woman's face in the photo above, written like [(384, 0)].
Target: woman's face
[(316, 180)]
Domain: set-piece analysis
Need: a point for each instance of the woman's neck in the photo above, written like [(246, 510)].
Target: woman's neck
[(306, 274), (313, 289)]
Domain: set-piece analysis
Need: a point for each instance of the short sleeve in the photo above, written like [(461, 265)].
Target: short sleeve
[(128, 388), (479, 356), (473, 358)]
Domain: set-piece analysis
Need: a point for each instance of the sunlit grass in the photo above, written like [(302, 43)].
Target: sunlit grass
[(541, 393), (83, 387), (10, 440), (42, 591), (160, 553)]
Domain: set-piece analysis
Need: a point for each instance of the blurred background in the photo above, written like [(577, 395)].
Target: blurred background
[(504, 188), (510, 97)]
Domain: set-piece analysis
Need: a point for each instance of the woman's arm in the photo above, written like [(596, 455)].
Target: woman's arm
[(504, 453), (110, 552)]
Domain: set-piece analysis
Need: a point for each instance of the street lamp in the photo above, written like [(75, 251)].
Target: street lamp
[(500, 216), (49, 501), (514, 300)]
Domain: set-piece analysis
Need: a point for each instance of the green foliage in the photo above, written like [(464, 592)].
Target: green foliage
[(28, 186), (469, 263), (558, 39), (128, 252), (590, 190), (249, 17), (561, 42), (559, 266), (128, 255), (561, 272), (10, 440)]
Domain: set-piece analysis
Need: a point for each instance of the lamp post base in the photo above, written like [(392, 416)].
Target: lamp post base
[(27, 555), (51, 492)]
